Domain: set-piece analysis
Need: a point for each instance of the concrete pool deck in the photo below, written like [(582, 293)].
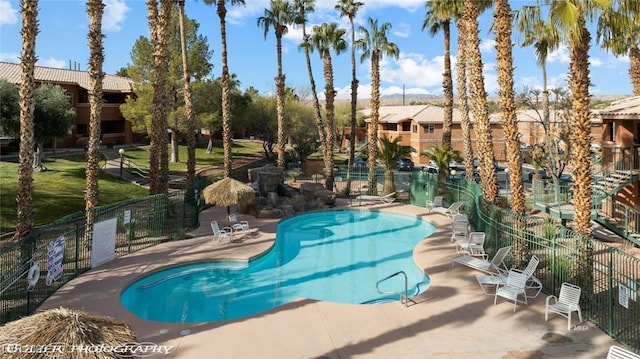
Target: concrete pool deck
[(452, 319)]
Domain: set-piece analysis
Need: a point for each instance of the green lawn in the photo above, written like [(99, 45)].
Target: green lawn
[(60, 190), (239, 150)]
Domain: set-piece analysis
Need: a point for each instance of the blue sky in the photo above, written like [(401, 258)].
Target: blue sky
[(63, 40)]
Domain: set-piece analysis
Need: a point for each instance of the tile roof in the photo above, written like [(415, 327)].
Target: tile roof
[(625, 108), (424, 114), (111, 83)]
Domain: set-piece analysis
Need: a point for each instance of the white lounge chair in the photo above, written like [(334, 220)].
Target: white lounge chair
[(495, 266), (473, 245), (616, 352), (238, 225), (566, 302), (495, 280), (387, 198), (513, 288), (437, 202), (459, 231), (454, 208), (220, 234)]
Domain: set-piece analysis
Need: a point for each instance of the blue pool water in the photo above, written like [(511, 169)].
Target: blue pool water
[(334, 256)]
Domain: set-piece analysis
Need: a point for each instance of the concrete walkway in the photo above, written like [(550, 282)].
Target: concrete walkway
[(452, 319)]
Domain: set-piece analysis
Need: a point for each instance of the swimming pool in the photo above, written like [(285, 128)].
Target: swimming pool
[(334, 256)]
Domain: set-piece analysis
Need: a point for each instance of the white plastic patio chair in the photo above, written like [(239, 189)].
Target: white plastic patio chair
[(495, 280), (565, 303), (223, 233), (459, 231), (238, 225), (495, 266), (454, 208), (437, 202), (513, 288), (473, 245), (616, 352)]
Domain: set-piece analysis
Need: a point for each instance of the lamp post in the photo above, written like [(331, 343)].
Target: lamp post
[(506, 172), (453, 177), (121, 152)]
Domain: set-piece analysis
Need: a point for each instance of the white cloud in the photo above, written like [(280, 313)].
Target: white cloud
[(561, 55), (596, 62), (52, 62), (402, 30), (10, 57), (8, 15), (114, 15), (487, 45), (413, 70)]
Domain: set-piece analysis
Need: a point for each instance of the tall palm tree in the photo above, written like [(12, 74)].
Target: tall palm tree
[(545, 38), (438, 17), (374, 45), (390, 151), (619, 31), (226, 87), (570, 17), (325, 38), (349, 8), (159, 20), (481, 123), (304, 7), (502, 29), (24, 198), (278, 16), (463, 99), (188, 105), (95, 10)]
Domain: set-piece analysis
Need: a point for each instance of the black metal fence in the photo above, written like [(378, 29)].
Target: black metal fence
[(139, 223)]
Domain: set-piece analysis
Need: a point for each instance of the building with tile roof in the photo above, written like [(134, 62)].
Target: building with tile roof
[(115, 130), (420, 126)]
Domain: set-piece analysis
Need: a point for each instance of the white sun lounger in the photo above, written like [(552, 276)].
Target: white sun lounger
[(387, 198), (494, 266), (454, 208)]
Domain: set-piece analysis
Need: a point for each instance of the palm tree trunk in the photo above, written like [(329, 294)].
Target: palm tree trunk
[(580, 152), (581, 131), (314, 93), (24, 198), (226, 105), (481, 123), (95, 10), (634, 68), (373, 124), (280, 102), (329, 93), (463, 103), (354, 103), (188, 107), (447, 83), (502, 29), (159, 157)]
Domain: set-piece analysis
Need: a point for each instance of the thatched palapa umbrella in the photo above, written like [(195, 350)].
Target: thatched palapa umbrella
[(228, 192), (69, 334)]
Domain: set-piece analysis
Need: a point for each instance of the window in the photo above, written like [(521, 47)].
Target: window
[(429, 128), (414, 129), (69, 98), (406, 126)]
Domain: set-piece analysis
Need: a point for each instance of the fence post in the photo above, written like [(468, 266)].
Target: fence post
[(75, 274), (610, 301)]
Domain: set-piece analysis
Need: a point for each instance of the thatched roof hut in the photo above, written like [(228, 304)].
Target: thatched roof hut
[(67, 333)]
